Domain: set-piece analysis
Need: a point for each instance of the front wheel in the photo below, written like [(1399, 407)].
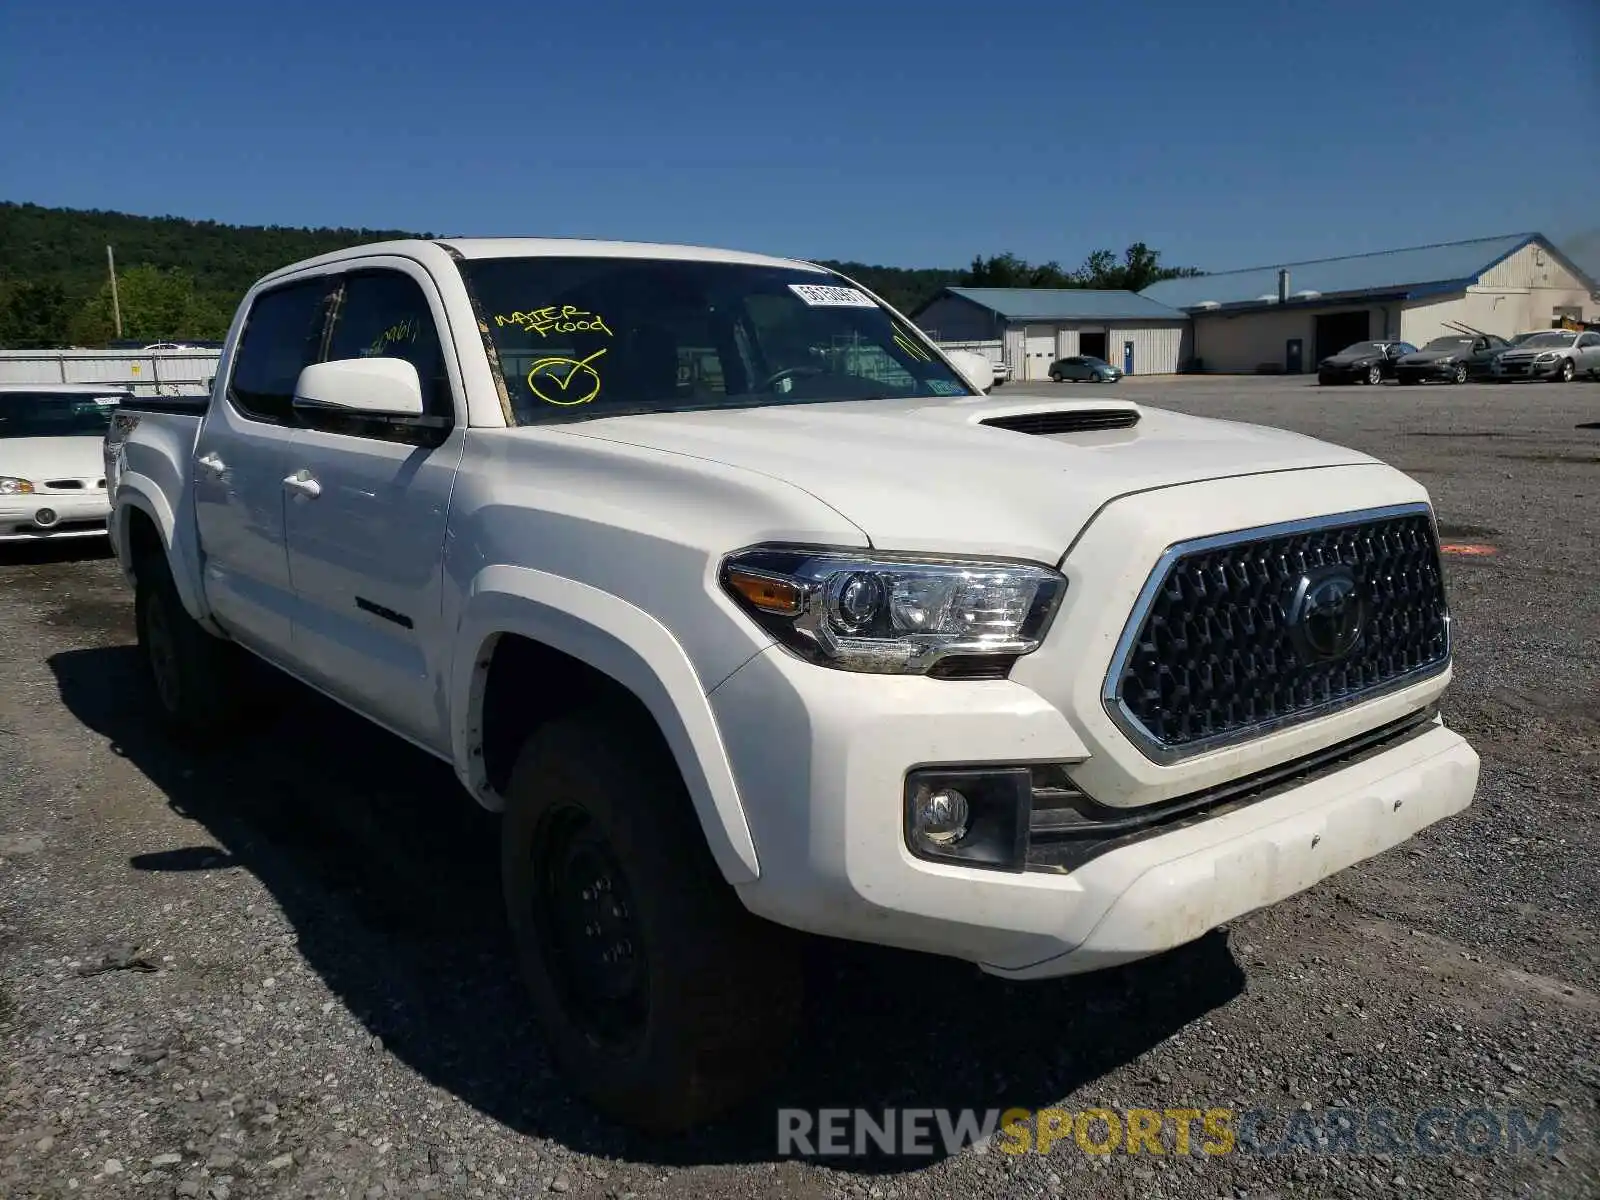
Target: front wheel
[(1459, 375), (662, 999), (1566, 371), (1374, 376)]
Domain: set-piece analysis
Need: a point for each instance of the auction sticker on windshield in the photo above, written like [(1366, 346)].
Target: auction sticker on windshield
[(815, 294)]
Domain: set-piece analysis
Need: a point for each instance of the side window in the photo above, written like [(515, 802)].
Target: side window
[(386, 314), (281, 337), (1589, 341)]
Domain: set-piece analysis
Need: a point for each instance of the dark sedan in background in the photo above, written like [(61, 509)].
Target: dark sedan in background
[(1086, 367), (1481, 365), (1364, 362), (1446, 358)]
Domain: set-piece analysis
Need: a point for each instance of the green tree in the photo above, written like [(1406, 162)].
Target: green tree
[(1007, 270), (34, 314), (1139, 268), (157, 305)]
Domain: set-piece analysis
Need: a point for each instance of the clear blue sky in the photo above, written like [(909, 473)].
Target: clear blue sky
[(1224, 133)]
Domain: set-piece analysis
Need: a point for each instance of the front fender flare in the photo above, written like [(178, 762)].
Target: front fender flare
[(633, 648)]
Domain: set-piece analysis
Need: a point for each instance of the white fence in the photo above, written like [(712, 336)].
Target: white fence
[(143, 372)]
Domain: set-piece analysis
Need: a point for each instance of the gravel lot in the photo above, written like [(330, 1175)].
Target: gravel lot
[(281, 970)]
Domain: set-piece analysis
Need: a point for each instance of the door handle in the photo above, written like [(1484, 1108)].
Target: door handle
[(212, 464), (302, 483)]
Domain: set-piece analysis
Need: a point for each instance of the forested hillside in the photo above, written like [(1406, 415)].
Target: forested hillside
[(181, 279)]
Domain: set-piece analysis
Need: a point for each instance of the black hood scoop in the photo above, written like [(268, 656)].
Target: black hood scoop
[(1071, 420)]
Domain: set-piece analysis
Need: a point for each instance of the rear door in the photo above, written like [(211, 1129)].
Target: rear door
[(366, 550), (239, 465)]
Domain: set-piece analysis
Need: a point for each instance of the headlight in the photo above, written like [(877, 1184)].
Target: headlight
[(896, 614), (10, 486), (1547, 356)]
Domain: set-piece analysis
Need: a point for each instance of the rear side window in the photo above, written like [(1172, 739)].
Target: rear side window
[(385, 314), (281, 338)]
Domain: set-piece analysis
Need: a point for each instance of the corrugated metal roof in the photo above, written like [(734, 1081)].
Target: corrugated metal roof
[(1387, 271), (1067, 304)]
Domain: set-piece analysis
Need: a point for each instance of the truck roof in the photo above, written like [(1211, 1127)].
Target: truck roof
[(534, 247)]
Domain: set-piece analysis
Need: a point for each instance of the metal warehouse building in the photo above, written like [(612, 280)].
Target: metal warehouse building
[(1029, 328), (1287, 317)]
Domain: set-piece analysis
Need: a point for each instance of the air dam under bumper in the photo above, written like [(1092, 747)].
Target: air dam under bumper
[(821, 756)]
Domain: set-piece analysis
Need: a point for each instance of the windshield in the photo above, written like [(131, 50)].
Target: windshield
[(597, 337), (1548, 341), (1449, 343), (54, 414), (1364, 348)]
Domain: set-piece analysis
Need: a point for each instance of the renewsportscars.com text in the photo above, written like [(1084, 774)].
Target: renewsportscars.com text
[(924, 1132)]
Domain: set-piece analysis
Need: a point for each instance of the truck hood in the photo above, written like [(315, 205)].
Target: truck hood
[(37, 459), (929, 475)]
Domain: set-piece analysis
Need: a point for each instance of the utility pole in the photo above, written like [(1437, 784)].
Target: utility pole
[(116, 307)]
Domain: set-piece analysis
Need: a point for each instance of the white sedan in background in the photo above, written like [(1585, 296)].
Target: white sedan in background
[(52, 475)]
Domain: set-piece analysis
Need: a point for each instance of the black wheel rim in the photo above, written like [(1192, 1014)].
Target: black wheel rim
[(162, 652), (588, 929)]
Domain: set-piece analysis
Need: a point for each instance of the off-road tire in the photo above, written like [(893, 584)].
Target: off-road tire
[(198, 680), (722, 989)]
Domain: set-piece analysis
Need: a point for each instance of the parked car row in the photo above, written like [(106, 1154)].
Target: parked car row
[(1555, 355)]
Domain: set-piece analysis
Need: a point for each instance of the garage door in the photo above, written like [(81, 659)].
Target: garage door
[(1041, 351)]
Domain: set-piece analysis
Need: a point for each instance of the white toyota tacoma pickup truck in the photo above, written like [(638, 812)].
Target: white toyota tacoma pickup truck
[(752, 613)]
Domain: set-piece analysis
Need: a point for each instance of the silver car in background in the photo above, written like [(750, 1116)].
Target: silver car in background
[(1556, 355)]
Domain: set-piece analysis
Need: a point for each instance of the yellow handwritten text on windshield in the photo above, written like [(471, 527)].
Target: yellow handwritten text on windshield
[(565, 382), (400, 331), (548, 320)]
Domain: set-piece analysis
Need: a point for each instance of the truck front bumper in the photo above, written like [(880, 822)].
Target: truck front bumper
[(44, 516), (821, 759)]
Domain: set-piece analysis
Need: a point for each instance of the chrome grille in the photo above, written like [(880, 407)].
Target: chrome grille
[(1211, 655)]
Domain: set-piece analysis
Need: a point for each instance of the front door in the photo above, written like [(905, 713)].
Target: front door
[(1294, 356), (239, 464), (366, 541), (1127, 358)]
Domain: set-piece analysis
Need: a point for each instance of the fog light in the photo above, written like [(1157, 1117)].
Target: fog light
[(969, 816), (939, 814), (45, 518)]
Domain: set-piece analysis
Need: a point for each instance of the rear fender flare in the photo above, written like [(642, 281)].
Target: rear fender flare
[(141, 493)]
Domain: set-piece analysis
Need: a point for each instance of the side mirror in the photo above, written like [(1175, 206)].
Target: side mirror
[(369, 387), (975, 368)]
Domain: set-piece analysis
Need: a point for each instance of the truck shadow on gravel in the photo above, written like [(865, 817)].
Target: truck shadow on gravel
[(389, 876)]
